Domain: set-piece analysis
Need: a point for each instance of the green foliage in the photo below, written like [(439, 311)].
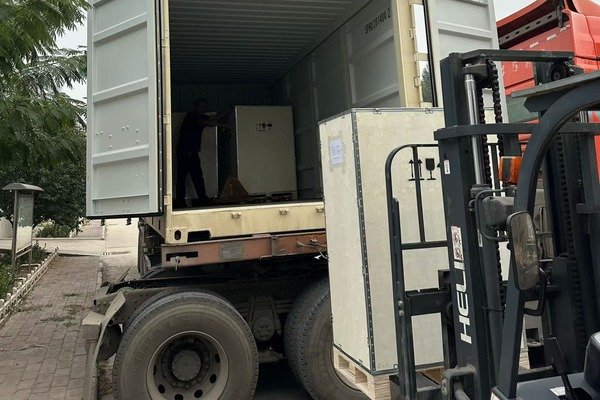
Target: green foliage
[(7, 279), (29, 28), (54, 231), (37, 120), (8, 276), (426, 87), (63, 200), (38, 254), (42, 138)]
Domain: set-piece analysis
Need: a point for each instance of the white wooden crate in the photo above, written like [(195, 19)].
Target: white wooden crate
[(355, 146)]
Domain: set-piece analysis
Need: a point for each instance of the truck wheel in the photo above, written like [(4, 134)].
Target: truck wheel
[(308, 340), (161, 295), (191, 345)]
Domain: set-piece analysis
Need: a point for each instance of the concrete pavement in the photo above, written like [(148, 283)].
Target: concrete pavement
[(94, 241), (90, 242), (42, 354)]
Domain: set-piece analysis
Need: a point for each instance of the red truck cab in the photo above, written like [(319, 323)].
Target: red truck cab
[(551, 25)]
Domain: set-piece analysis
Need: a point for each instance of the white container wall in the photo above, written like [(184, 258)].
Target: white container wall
[(354, 67)]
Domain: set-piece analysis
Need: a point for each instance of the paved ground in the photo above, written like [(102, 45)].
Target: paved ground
[(42, 355), (74, 246), (90, 242)]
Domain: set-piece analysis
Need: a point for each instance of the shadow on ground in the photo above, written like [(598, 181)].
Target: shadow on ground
[(276, 381)]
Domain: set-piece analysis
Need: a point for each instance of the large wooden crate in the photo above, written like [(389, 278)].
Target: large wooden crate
[(355, 146)]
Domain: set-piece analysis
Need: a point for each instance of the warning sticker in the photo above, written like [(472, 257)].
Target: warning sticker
[(457, 244), (336, 152)]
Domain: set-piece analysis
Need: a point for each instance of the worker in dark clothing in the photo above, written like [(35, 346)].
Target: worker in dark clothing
[(188, 158)]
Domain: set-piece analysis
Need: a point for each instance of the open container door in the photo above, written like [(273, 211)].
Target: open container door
[(459, 26), (124, 146)]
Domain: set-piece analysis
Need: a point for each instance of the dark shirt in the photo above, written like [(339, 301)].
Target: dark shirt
[(190, 135)]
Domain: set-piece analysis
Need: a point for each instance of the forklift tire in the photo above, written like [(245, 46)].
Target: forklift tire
[(186, 345), (308, 340)]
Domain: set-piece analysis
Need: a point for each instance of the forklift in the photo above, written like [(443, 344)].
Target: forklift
[(490, 200)]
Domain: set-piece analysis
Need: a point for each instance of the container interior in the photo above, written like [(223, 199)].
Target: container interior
[(319, 57)]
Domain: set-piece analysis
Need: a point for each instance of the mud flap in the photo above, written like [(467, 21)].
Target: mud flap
[(94, 328)]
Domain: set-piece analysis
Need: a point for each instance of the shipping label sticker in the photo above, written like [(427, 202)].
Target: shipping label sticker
[(447, 167), (336, 152), (457, 244)]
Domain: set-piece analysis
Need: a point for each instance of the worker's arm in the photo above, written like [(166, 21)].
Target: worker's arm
[(207, 122)]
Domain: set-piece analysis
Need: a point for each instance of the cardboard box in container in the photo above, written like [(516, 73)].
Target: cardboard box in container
[(260, 149), (354, 148)]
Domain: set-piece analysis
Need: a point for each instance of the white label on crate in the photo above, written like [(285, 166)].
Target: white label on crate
[(447, 167), (336, 152), (559, 391), (457, 243)]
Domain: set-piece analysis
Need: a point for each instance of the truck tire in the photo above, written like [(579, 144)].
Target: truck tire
[(161, 295), (186, 346), (308, 340)]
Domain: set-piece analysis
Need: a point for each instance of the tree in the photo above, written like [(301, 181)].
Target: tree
[(426, 88), (37, 119), (42, 138), (29, 28), (63, 200)]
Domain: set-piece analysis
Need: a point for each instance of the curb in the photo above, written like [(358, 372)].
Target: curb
[(99, 279), (22, 287)]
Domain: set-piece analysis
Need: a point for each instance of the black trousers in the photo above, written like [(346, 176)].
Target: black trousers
[(188, 163)]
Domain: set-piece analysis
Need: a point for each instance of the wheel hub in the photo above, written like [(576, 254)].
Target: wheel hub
[(186, 365), (190, 365), (186, 362)]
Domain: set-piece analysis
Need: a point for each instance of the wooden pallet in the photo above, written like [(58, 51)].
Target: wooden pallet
[(376, 387)]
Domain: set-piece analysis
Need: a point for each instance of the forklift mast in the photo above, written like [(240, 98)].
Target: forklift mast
[(486, 209), (481, 310)]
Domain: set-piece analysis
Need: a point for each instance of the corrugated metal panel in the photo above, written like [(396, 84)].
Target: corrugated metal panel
[(299, 86), (221, 98), (372, 56), (330, 71), (459, 26), (355, 66), (123, 174), (247, 40)]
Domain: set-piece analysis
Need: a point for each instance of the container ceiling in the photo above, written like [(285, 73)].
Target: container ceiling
[(248, 41)]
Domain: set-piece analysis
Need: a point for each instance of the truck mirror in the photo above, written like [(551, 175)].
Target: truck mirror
[(522, 237)]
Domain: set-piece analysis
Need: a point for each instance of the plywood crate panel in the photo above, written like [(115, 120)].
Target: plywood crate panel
[(354, 147)]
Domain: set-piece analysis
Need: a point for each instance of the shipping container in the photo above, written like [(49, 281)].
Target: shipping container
[(148, 64)]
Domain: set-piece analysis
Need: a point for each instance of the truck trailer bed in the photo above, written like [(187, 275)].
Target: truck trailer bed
[(182, 227)]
